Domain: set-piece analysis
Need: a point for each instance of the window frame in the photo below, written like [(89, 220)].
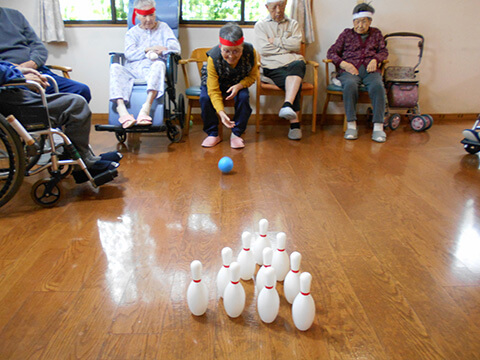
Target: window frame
[(215, 22), (182, 22), (114, 21)]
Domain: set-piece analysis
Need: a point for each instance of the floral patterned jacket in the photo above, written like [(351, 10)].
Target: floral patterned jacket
[(351, 48)]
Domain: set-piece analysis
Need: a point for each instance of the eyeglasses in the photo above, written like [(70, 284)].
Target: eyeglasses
[(231, 52)]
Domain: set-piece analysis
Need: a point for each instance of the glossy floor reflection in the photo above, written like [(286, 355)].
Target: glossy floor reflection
[(388, 231)]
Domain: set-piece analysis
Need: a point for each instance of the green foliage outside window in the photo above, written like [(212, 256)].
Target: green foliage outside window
[(192, 10), (93, 10), (222, 10)]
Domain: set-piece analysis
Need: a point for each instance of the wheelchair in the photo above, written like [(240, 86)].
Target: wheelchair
[(168, 111), (30, 145), (471, 141)]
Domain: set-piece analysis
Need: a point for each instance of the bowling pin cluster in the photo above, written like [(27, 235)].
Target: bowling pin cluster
[(275, 266)]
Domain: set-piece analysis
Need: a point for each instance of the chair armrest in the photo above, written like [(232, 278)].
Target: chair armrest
[(327, 76), (184, 62), (32, 85), (312, 63), (64, 69)]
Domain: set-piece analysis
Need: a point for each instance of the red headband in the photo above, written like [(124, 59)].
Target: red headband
[(229, 43), (141, 12)]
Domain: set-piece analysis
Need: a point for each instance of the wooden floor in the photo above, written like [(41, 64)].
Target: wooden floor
[(390, 233)]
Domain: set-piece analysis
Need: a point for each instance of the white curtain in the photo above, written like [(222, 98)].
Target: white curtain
[(302, 12), (51, 23)]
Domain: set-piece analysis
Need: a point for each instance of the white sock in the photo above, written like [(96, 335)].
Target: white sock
[(352, 125), (378, 127)]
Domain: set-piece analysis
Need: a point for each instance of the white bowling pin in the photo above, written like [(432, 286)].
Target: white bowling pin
[(245, 257), (291, 285), (280, 261), (262, 242), (234, 296), (303, 308), (267, 263), (268, 302), (197, 294), (223, 276)]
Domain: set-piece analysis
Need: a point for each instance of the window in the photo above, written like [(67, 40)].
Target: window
[(94, 11), (219, 11)]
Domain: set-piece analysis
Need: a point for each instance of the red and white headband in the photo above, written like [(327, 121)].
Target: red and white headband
[(362, 14), (141, 12), (231, 43)]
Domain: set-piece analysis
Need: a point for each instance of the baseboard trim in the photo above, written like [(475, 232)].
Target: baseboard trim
[(331, 119)]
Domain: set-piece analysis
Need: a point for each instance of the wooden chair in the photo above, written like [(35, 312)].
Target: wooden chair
[(192, 92), (64, 69), (334, 92), (307, 89)]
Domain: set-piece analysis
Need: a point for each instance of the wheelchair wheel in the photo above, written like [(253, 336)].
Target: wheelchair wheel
[(180, 111), (12, 162), (471, 149), (46, 193), (121, 136), (418, 123), (429, 119), (394, 121), (174, 133)]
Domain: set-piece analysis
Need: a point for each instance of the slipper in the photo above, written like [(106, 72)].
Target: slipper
[(379, 136), (236, 142), (287, 113), (471, 135), (111, 156), (211, 141), (143, 119), (351, 134), (127, 121)]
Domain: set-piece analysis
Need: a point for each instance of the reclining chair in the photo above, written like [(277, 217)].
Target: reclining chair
[(165, 117)]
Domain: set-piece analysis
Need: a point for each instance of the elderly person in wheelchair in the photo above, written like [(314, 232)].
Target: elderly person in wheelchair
[(67, 111), (146, 48), (358, 54)]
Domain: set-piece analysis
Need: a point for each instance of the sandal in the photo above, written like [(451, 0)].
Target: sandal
[(351, 134), (379, 136), (143, 119), (127, 121)]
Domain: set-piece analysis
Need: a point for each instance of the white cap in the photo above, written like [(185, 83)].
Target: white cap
[(273, 1)]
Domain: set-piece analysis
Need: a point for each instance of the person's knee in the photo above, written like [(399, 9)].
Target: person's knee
[(158, 66), (84, 91), (349, 87), (243, 96)]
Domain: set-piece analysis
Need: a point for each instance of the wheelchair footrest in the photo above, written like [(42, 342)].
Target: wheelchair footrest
[(105, 177), (133, 129)]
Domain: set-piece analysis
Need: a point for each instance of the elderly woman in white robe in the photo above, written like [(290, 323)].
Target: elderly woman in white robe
[(146, 48)]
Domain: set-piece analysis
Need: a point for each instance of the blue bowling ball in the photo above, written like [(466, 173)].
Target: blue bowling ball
[(225, 164)]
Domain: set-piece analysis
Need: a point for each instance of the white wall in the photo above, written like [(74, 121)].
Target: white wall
[(449, 71)]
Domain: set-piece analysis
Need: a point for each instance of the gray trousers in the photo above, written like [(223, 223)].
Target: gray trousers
[(376, 91), (69, 112)]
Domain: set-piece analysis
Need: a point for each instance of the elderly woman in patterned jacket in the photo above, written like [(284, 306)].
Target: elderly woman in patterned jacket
[(231, 69), (357, 55)]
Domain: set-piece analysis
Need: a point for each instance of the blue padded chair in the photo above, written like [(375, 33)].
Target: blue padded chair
[(164, 116)]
